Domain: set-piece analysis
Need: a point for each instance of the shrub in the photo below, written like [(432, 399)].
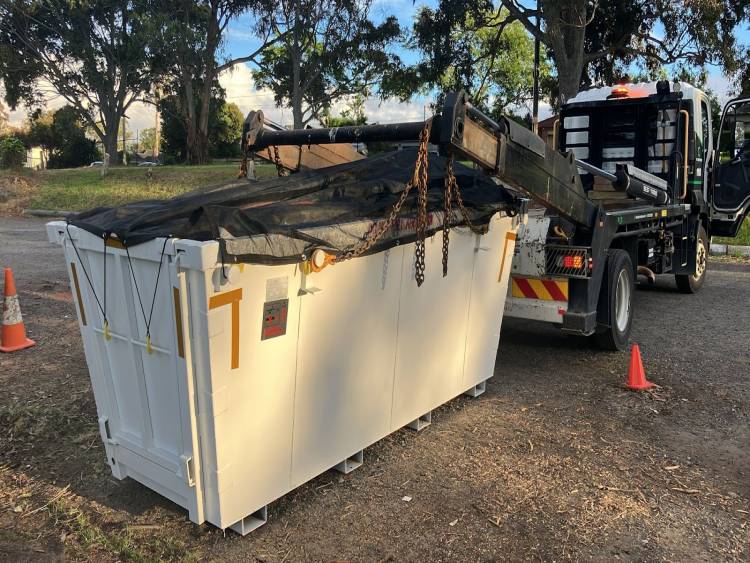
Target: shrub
[(12, 153), (77, 151)]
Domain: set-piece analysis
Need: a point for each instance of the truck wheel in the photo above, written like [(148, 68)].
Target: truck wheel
[(691, 283), (620, 282)]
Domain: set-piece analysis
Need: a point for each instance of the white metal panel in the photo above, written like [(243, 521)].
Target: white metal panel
[(432, 328), (529, 253), (346, 354), (639, 89), (245, 413), (535, 309), (576, 137), (139, 394), (576, 121), (489, 286)]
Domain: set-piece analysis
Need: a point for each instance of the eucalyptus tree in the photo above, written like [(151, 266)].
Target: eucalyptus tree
[(95, 55)]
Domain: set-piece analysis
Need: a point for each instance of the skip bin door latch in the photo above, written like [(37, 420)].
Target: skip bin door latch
[(188, 469)]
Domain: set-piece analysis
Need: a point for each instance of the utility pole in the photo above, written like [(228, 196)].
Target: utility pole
[(535, 102)]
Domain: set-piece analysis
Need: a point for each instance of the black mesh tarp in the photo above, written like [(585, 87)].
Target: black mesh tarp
[(283, 219)]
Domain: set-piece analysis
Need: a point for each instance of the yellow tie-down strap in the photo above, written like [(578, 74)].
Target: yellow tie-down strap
[(536, 288)]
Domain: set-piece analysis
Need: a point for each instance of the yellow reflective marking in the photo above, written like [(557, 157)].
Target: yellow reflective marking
[(516, 291), (540, 290), (511, 235)]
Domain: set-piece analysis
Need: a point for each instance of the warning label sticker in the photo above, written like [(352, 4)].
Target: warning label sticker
[(274, 318), (277, 288)]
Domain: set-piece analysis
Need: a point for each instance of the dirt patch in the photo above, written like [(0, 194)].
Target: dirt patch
[(15, 193), (555, 462)]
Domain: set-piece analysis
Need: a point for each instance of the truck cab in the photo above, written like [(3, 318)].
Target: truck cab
[(666, 130)]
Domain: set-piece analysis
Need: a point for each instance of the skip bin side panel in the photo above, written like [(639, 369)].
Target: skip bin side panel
[(347, 347), (105, 404), (432, 328), (191, 460), (488, 294), (245, 394)]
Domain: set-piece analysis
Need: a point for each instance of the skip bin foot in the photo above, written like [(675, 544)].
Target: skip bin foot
[(351, 463), (252, 522), (422, 422), (477, 390)]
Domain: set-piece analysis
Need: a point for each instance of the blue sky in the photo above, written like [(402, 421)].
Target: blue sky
[(240, 40), (240, 88)]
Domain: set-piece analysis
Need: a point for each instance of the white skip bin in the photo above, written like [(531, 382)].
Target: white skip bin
[(253, 379)]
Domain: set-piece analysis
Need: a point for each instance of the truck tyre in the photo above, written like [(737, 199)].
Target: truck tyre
[(691, 283), (620, 282)]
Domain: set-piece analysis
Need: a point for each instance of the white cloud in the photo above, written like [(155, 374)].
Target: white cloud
[(240, 88), (18, 116)]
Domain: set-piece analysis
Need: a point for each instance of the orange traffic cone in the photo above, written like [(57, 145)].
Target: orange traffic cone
[(13, 333), (636, 375)]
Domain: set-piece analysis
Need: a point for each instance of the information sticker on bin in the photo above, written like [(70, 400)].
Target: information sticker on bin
[(274, 318)]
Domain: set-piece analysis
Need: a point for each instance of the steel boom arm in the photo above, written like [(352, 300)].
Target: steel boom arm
[(504, 149)]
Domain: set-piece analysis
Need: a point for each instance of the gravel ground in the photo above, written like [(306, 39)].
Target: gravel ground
[(556, 461)]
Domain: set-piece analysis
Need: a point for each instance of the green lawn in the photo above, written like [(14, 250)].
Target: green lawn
[(78, 189)]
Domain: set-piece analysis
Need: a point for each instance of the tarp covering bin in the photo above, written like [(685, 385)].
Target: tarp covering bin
[(227, 383)]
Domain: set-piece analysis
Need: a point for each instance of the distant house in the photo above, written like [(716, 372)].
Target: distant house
[(36, 158)]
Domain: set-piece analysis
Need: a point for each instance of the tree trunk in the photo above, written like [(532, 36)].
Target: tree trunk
[(566, 22), (197, 139), (109, 139), (197, 145), (569, 71), (297, 107), (201, 145)]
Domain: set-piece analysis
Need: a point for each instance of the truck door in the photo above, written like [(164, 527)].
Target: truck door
[(730, 198)]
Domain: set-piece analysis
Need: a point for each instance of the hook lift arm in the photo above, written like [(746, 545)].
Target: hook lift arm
[(503, 149)]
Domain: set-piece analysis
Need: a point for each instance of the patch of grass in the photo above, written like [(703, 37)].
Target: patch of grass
[(742, 239), (86, 535), (78, 189)]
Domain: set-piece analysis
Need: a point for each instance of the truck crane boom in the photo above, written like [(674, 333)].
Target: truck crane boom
[(504, 149)]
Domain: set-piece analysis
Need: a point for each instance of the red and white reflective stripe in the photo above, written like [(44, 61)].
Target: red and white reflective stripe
[(11, 311)]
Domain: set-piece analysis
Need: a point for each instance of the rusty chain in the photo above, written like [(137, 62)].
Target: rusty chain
[(419, 247), (447, 212), (243, 167), (280, 170), (418, 180), (452, 192), (450, 177)]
